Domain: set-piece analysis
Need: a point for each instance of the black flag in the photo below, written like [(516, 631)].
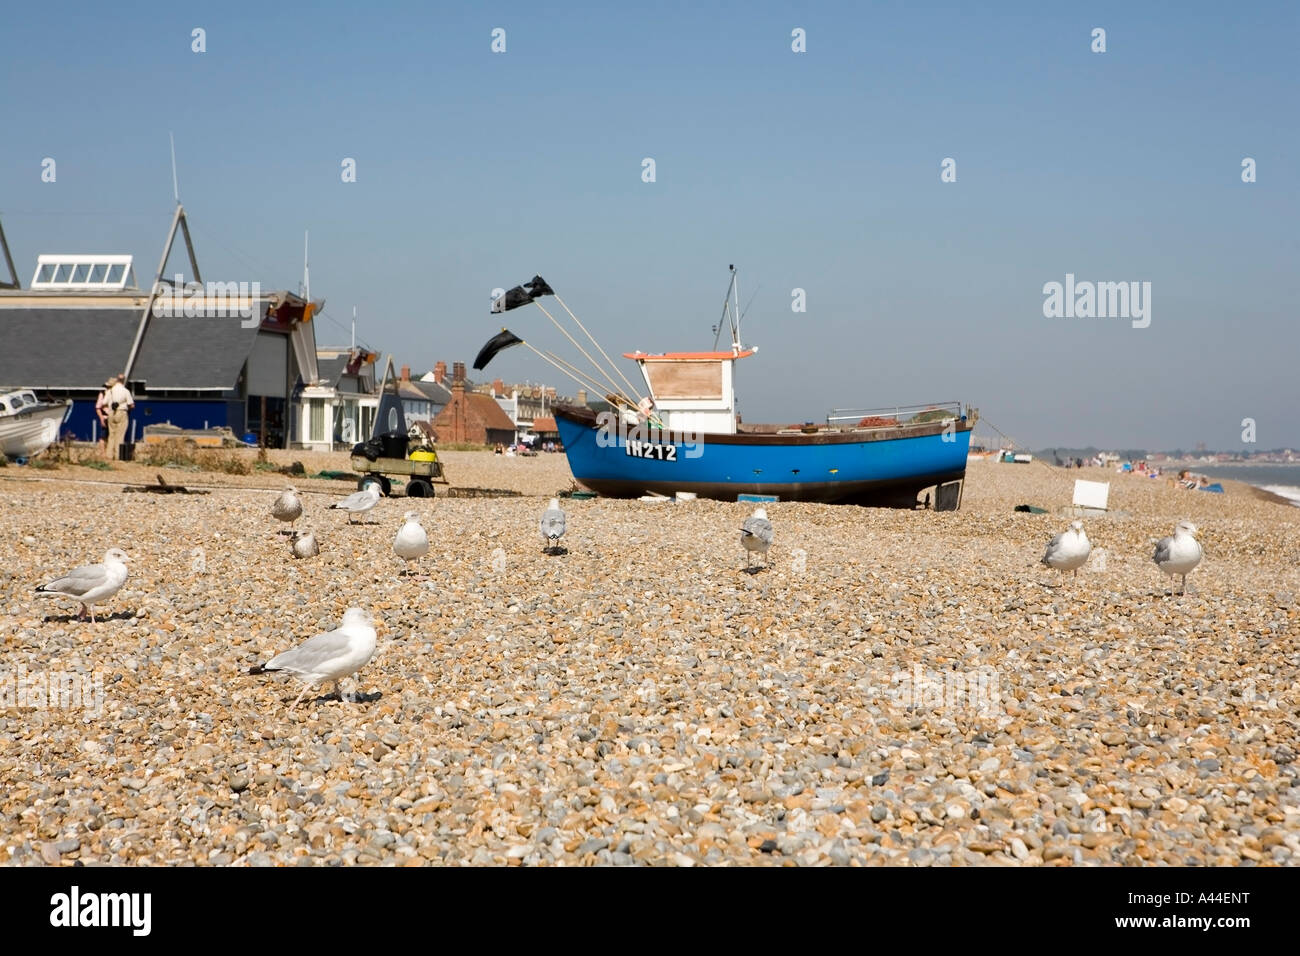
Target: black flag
[(502, 340), (522, 295), (539, 287)]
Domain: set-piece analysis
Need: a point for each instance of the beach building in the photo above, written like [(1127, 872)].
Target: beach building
[(338, 409), (195, 355), (472, 417), (422, 399)]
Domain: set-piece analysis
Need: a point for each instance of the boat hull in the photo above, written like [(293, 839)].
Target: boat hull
[(29, 432), (882, 466)]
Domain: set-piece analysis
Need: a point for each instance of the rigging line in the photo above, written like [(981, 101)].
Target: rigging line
[(630, 387), (342, 327), (590, 381), (560, 365), (566, 334)]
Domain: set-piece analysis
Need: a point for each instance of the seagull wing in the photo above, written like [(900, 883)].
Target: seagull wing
[(760, 528), (314, 655), (552, 523), (78, 581)]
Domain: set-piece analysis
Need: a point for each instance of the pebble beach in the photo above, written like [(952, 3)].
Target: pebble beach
[(898, 688)]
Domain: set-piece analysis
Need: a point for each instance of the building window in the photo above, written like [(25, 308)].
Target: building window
[(316, 427)]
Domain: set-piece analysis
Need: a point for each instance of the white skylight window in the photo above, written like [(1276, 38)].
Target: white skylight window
[(84, 273)]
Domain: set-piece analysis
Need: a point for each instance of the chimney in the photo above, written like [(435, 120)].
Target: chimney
[(439, 372), (458, 373), (498, 387), (582, 396), (406, 373)]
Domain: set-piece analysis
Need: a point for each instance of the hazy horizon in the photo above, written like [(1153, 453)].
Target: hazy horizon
[(817, 170)]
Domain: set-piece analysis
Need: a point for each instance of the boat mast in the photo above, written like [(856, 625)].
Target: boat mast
[(735, 292)]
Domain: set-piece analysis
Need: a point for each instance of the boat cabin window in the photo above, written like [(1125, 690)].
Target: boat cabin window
[(685, 380)]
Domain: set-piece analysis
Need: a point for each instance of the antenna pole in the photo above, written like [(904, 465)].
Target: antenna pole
[(306, 274), (735, 288), (354, 326), (176, 189)]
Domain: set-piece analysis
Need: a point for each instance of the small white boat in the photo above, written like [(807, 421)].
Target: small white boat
[(28, 426)]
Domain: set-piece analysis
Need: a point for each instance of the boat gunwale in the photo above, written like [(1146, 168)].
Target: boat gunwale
[(586, 417)]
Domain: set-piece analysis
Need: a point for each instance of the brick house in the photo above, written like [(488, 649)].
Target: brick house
[(472, 417)]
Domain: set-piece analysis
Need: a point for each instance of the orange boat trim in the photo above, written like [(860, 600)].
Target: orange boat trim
[(686, 356)]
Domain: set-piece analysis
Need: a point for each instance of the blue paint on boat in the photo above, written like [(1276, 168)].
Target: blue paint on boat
[(887, 466)]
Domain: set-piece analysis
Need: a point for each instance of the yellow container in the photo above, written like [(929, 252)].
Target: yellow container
[(424, 456)]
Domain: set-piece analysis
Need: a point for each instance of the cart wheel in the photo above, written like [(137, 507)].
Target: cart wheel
[(419, 488)]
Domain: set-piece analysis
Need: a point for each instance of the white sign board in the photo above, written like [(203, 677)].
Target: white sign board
[(1091, 494)]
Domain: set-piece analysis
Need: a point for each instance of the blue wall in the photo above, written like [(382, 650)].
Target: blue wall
[(183, 413)]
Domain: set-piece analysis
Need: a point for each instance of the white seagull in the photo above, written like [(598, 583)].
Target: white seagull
[(411, 542), (552, 526), (756, 535), (1179, 554), (1068, 550), (328, 657), (360, 502), (287, 507), (304, 545), (92, 583)]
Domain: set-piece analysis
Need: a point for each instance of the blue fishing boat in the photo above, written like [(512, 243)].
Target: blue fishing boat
[(684, 435), (889, 460)]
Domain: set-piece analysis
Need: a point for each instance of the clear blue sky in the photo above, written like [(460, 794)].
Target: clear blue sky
[(817, 170)]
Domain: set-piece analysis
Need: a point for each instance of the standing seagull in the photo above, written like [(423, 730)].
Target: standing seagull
[(1068, 550), (756, 535), (1181, 553), (552, 527), (304, 545), (411, 542), (328, 657), (360, 502), (287, 507), (91, 583)]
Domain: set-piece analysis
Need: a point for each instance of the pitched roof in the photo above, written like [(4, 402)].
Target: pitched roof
[(64, 348), (184, 353), (493, 415), (78, 348), (544, 425)]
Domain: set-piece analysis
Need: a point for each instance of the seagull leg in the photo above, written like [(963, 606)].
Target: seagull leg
[(305, 688)]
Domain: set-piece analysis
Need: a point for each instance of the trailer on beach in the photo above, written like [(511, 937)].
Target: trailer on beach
[(421, 475)]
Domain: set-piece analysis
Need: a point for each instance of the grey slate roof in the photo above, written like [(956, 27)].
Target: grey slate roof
[(64, 348), (330, 369), (183, 353), (72, 348)]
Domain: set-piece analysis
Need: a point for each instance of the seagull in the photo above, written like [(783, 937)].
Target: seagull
[(1068, 550), (92, 583), (304, 545), (287, 507), (1181, 553), (552, 526), (360, 502), (411, 542), (328, 657), (756, 535)]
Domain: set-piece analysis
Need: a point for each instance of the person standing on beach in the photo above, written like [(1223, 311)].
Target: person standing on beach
[(101, 412), (120, 404)]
